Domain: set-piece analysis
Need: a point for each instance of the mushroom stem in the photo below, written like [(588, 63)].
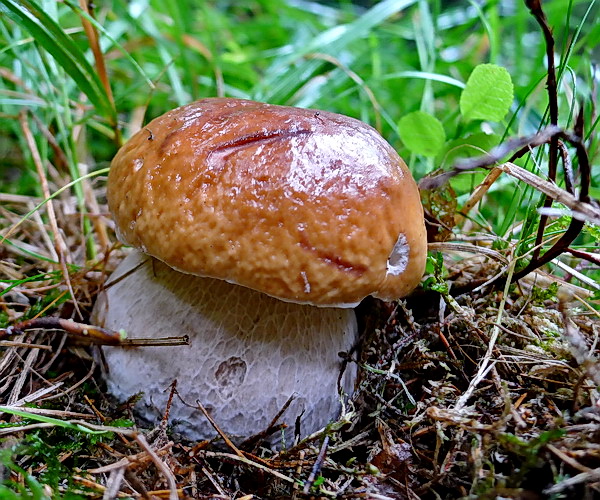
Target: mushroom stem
[(248, 352)]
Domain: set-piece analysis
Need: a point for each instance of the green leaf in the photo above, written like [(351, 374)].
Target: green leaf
[(488, 94), (50, 36), (319, 481), (422, 133)]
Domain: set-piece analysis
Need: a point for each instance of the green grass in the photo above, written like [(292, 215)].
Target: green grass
[(412, 55)]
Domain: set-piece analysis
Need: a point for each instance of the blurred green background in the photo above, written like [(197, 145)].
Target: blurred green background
[(376, 61)]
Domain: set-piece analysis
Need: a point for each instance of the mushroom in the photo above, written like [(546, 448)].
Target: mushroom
[(261, 226)]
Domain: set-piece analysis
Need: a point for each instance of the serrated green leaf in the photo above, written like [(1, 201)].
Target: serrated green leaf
[(52, 38), (422, 133), (488, 94)]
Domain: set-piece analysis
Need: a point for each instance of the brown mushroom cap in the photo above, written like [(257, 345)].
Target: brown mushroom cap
[(303, 205)]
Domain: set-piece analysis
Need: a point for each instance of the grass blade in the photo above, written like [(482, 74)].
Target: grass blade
[(281, 81), (49, 35)]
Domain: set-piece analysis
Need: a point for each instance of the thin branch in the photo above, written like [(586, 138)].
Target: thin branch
[(317, 466), (94, 333), (477, 194), (170, 477), (576, 225), (246, 461), (558, 248), (582, 157), (90, 334), (253, 441), (493, 157), (535, 6), (582, 209), (219, 431), (579, 210), (584, 477), (567, 167), (594, 258)]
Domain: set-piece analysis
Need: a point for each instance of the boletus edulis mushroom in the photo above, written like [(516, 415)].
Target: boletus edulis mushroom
[(259, 227)]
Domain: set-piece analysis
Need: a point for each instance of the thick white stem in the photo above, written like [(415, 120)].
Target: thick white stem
[(248, 352)]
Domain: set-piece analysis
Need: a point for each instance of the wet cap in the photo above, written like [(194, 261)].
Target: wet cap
[(306, 206)]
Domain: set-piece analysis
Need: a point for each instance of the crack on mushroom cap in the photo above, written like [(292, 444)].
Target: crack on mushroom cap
[(217, 156)]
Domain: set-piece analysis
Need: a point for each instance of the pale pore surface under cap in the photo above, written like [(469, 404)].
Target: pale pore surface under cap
[(248, 352), (302, 205)]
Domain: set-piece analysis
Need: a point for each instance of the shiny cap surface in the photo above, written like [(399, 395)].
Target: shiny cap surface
[(303, 205)]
